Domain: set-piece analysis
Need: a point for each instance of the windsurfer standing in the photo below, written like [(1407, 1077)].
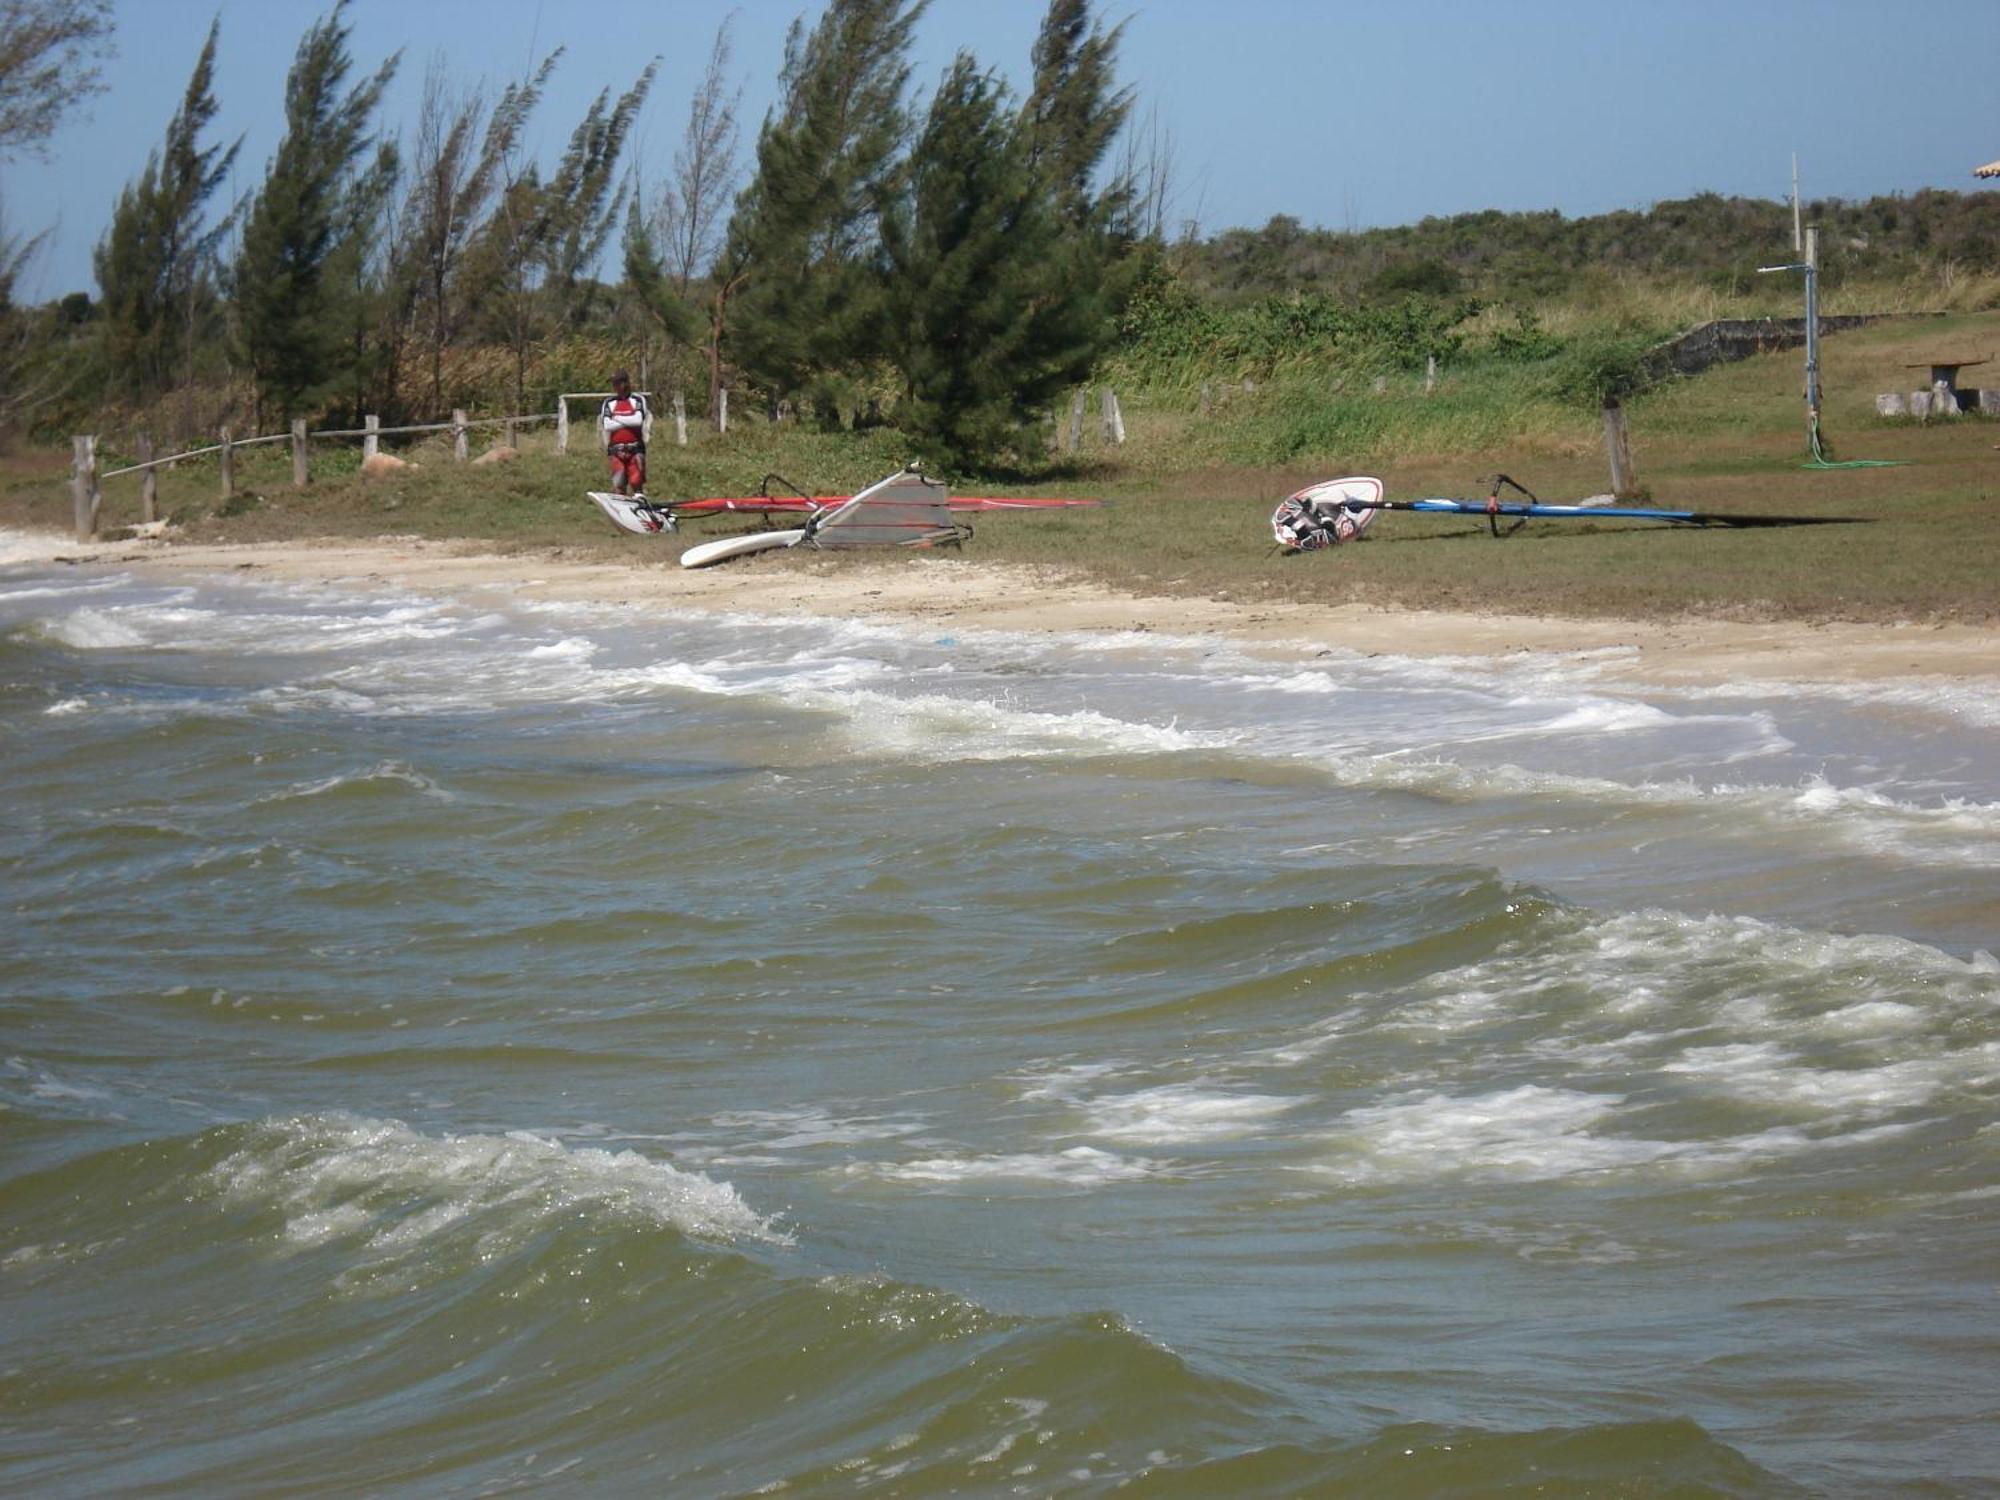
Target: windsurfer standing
[(623, 418)]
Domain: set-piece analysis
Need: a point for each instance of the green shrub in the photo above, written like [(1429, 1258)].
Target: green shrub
[(1599, 367)]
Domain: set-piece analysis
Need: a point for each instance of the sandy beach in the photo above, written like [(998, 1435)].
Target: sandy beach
[(966, 594)]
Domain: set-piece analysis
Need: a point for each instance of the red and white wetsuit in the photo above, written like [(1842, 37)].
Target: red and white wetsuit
[(623, 419)]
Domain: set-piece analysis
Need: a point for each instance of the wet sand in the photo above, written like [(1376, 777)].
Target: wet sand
[(970, 595)]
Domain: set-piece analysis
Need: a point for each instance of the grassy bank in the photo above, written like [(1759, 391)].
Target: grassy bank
[(1191, 494)]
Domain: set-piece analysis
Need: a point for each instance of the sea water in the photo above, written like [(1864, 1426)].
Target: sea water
[(452, 1049)]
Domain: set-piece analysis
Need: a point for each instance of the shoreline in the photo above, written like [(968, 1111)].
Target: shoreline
[(933, 590)]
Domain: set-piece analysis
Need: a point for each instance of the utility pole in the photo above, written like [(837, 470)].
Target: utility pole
[(1812, 326), (1809, 265), (1799, 241)]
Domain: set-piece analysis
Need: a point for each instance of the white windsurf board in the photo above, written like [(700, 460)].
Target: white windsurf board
[(630, 514), (738, 546)]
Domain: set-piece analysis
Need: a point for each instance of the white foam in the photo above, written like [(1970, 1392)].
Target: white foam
[(345, 1177), (1633, 970), (1308, 684), (32, 546), (1971, 703), (806, 1129), (1847, 1035), (66, 706), (1525, 1134), (389, 771), (880, 683), (91, 629), (1951, 831), (569, 648), (294, 697), (69, 589), (1174, 1114), (1163, 1114), (1768, 1073), (1608, 716), (935, 726), (1078, 1166)]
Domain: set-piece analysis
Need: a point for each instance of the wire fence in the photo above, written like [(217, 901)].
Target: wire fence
[(87, 480)]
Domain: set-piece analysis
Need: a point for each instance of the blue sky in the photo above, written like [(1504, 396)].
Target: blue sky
[(1348, 115)]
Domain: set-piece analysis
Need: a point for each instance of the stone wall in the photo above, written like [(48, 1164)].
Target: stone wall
[(1726, 340)]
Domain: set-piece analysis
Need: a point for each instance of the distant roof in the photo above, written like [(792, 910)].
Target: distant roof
[(1991, 169)]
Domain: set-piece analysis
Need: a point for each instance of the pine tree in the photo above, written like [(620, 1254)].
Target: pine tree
[(49, 51), (805, 230), (531, 260), (989, 315), (31, 372), (580, 204), (295, 305), (1075, 112), (650, 282), (456, 172), (705, 170), (156, 262), (367, 268), (500, 276)]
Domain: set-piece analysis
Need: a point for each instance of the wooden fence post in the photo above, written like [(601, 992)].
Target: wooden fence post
[(1207, 398), (459, 449), (562, 424), (510, 434), (722, 409), (149, 481), (371, 440), (1076, 421), (680, 419), (1618, 447), (1430, 373), (228, 467), (1114, 419), (83, 485), (299, 475)]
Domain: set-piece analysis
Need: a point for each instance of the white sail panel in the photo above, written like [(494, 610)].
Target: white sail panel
[(905, 509)]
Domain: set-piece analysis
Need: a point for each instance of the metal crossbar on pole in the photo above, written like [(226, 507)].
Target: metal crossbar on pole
[(1815, 443)]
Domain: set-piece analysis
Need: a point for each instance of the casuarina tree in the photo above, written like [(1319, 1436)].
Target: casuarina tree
[(582, 202), (804, 234), (155, 265), (458, 168), (992, 309), (1074, 114), (49, 51), (293, 300)]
